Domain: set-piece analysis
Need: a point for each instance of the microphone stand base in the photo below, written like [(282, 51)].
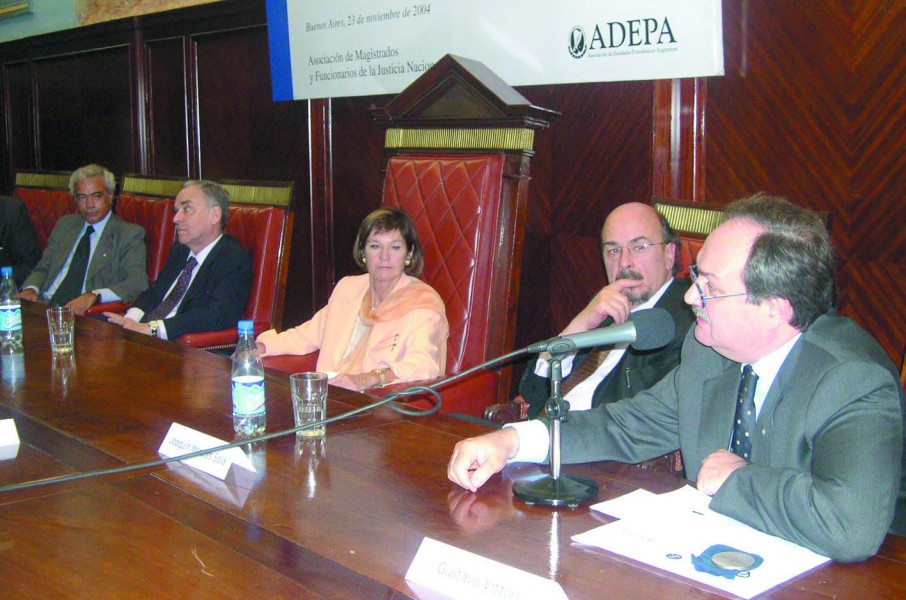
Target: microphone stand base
[(567, 490)]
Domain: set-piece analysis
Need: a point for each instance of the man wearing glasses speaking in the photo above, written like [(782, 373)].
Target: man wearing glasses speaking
[(789, 416), (639, 251)]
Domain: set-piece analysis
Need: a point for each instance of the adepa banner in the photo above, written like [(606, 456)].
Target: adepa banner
[(368, 47)]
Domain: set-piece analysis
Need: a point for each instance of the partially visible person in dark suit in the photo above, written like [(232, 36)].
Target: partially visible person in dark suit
[(639, 251), (92, 256), (208, 276), (19, 247), (787, 415)]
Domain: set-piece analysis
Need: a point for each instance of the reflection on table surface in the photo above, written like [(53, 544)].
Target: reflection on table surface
[(340, 517)]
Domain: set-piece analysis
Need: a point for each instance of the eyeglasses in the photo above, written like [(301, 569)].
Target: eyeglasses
[(639, 249), (693, 271)]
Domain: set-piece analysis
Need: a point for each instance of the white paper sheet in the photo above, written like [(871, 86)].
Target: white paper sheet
[(666, 530)]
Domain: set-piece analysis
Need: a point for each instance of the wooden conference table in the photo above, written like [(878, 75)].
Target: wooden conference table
[(341, 518)]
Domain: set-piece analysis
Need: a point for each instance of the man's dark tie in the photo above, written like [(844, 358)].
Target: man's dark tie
[(179, 290), (744, 425), (594, 360), (71, 286)]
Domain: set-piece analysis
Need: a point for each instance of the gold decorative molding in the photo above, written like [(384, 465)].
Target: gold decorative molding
[(151, 187), (461, 139), (12, 8), (701, 221), (89, 12), (279, 195), (43, 180)]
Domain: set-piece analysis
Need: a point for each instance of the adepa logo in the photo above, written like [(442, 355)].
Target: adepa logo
[(577, 45)]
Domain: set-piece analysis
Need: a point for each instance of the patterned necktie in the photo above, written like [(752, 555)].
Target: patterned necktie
[(744, 425), (71, 286), (179, 290), (594, 360)]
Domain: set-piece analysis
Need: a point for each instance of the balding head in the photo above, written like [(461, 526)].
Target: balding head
[(635, 225)]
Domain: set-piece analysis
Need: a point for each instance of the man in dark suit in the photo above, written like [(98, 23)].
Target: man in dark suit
[(92, 256), (639, 251), (819, 399), (19, 247), (208, 276)]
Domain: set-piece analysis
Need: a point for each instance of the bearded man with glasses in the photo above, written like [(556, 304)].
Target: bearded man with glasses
[(639, 251)]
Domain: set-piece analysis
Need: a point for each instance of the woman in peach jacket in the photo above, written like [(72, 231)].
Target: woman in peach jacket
[(382, 327)]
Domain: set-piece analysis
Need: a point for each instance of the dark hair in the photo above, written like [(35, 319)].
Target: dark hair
[(670, 237), (215, 195), (390, 219), (791, 259), (93, 171)]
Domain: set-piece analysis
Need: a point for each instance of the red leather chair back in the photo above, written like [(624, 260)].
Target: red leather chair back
[(454, 201), (46, 197), (260, 230), (155, 215)]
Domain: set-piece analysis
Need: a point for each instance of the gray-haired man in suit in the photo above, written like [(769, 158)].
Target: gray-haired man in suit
[(822, 465), (92, 256)]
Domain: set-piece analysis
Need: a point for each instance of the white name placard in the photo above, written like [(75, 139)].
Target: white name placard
[(456, 573), (184, 440), (366, 47), (9, 439)]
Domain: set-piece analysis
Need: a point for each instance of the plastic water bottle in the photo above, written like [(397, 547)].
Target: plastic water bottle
[(10, 312), (249, 418)]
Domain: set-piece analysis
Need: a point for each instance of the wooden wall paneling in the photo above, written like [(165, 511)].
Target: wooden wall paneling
[(318, 237), (811, 108), (85, 110), (18, 134), (778, 121), (234, 105), (599, 158), (166, 105), (358, 169), (876, 263), (677, 138)]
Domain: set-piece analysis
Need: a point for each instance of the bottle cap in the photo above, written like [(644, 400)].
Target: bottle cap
[(246, 326), (6, 271)]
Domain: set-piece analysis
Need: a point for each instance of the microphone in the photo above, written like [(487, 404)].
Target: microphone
[(646, 330)]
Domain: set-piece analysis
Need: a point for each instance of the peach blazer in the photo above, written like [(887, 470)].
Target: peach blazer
[(413, 346)]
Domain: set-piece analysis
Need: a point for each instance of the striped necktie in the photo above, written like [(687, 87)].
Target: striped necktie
[(179, 290)]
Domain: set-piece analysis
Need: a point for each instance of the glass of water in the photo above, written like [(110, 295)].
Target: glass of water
[(61, 326), (309, 391)]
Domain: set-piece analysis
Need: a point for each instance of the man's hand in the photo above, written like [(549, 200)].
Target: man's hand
[(609, 302), (474, 460), (129, 324), (82, 303), (29, 295), (715, 469)]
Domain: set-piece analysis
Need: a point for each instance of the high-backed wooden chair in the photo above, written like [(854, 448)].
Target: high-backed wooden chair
[(148, 201), (46, 197), (260, 218), (459, 141)]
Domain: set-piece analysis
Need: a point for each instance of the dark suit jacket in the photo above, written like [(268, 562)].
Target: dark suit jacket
[(19, 247), (118, 262), (826, 458), (636, 371), (218, 294)]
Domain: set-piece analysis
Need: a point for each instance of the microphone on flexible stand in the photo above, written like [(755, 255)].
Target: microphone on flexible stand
[(647, 330)]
